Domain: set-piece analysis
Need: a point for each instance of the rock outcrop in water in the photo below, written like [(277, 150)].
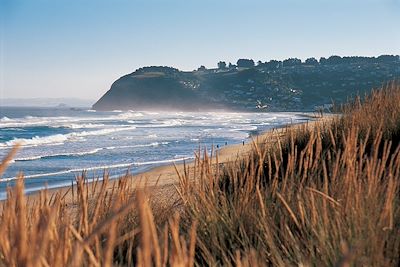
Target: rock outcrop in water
[(291, 85)]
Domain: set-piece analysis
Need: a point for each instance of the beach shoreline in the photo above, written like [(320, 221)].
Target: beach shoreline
[(167, 175), (55, 149)]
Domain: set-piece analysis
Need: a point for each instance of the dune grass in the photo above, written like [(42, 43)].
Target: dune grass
[(326, 195)]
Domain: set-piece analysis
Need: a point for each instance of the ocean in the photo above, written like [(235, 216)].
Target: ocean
[(58, 144)]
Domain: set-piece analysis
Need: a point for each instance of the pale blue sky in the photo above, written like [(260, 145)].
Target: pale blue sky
[(65, 48)]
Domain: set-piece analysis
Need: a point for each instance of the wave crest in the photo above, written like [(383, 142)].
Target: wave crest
[(61, 138)]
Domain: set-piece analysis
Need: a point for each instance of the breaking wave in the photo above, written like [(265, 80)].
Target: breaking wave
[(61, 138), (103, 167), (72, 154), (89, 152)]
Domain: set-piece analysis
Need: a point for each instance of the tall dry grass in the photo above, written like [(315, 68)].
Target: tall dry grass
[(317, 196), (326, 195)]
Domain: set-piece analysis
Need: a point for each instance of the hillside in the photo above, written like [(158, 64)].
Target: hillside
[(289, 85)]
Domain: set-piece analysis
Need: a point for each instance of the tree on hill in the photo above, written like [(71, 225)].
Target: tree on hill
[(291, 62), (245, 63), (201, 68), (311, 61), (334, 60), (273, 64), (388, 58), (164, 69), (221, 65)]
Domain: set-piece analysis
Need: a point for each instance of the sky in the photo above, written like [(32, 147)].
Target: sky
[(64, 48)]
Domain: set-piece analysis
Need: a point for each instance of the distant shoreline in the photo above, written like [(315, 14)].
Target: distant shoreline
[(46, 102)]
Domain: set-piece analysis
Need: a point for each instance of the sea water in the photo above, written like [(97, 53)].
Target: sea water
[(58, 144)]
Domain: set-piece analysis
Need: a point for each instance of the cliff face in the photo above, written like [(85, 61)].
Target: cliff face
[(160, 88), (131, 92), (298, 87)]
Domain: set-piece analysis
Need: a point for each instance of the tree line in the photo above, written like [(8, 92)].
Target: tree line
[(332, 60)]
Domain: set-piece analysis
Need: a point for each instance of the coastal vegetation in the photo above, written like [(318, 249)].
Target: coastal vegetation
[(322, 194)]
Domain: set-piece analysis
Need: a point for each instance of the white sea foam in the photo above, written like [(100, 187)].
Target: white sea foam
[(173, 122), (7, 179), (28, 158), (94, 168), (159, 123), (162, 161), (4, 119), (36, 140), (154, 144), (79, 126), (67, 154), (77, 171), (16, 129), (129, 115), (61, 138), (89, 152), (84, 122), (244, 128), (102, 131), (23, 123)]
